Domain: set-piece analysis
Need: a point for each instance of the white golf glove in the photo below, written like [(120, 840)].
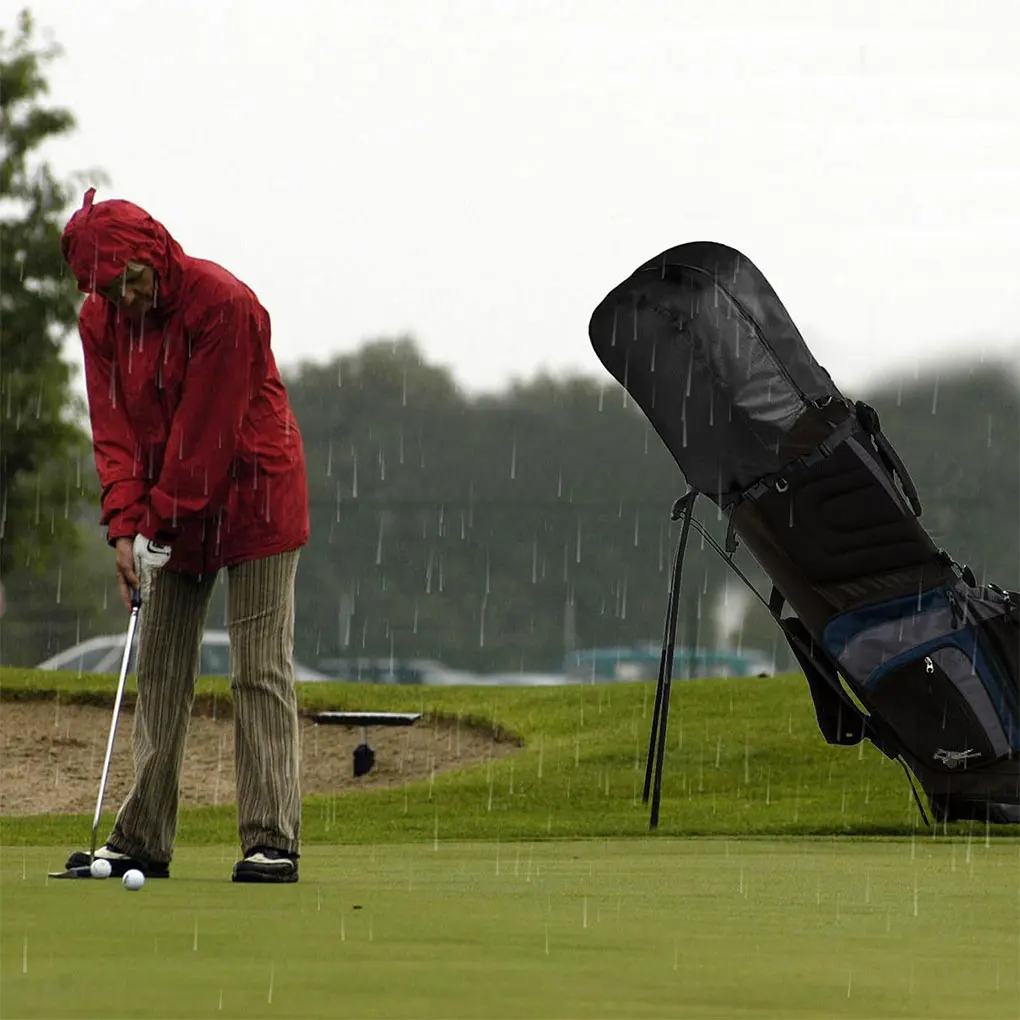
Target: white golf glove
[(150, 558)]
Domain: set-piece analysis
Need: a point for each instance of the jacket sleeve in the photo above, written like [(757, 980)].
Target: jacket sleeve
[(226, 369), (113, 441)]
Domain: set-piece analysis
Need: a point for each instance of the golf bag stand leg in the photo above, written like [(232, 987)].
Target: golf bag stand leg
[(136, 604), (682, 509)]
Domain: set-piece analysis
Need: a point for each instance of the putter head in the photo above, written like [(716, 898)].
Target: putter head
[(81, 871)]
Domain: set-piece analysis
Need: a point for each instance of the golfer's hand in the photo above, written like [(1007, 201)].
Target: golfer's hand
[(149, 559), (125, 565)]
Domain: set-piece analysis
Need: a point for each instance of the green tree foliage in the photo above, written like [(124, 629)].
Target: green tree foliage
[(42, 439), (495, 533), (45, 458)]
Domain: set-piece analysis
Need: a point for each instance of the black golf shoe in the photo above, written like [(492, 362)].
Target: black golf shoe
[(119, 863), (266, 864)]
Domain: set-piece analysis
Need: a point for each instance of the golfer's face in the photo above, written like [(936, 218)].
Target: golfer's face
[(133, 292)]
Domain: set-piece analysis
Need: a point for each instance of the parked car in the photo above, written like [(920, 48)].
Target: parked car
[(104, 654)]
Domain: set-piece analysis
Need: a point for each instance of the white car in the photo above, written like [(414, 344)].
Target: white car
[(104, 654)]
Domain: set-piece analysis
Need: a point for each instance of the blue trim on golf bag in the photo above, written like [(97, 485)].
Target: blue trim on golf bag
[(923, 624), (841, 629)]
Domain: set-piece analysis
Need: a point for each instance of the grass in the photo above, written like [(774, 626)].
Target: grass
[(787, 878), (598, 928), (744, 758)]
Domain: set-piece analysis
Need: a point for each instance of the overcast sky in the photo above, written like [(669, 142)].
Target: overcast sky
[(481, 173)]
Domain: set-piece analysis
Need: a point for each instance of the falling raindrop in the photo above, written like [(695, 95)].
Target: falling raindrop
[(513, 459)]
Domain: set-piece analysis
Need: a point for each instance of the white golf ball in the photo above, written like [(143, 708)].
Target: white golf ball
[(133, 879), (100, 868)]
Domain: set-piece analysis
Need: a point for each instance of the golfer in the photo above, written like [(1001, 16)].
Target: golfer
[(202, 469)]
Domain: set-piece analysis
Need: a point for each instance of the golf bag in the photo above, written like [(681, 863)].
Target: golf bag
[(811, 486)]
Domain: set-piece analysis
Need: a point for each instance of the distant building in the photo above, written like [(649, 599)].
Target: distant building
[(641, 662)]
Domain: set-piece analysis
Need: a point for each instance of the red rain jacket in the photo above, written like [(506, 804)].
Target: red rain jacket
[(194, 438)]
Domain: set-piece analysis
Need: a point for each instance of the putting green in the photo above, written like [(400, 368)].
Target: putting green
[(637, 928)]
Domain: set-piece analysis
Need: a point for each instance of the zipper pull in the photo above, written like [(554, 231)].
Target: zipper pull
[(954, 607), (929, 666)]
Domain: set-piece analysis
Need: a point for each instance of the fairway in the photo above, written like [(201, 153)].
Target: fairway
[(922, 927)]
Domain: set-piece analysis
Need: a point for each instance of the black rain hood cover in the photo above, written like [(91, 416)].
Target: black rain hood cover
[(700, 340)]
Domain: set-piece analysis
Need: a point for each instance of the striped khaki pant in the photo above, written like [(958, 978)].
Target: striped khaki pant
[(266, 729)]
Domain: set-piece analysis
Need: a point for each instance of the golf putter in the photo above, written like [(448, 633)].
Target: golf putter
[(84, 870)]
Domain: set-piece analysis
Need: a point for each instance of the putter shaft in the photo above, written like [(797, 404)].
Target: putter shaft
[(132, 624)]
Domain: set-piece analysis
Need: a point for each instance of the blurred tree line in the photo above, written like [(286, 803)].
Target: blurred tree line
[(491, 533), (497, 532)]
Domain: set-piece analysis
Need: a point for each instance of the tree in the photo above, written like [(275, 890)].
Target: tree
[(46, 467), (488, 533), (42, 442)]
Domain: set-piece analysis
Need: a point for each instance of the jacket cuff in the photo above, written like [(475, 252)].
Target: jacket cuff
[(121, 525), (141, 519), (156, 528)]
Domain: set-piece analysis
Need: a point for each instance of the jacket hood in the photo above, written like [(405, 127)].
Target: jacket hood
[(102, 237)]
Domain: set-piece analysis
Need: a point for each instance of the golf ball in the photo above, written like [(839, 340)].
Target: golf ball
[(133, 879), (100, 868)]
